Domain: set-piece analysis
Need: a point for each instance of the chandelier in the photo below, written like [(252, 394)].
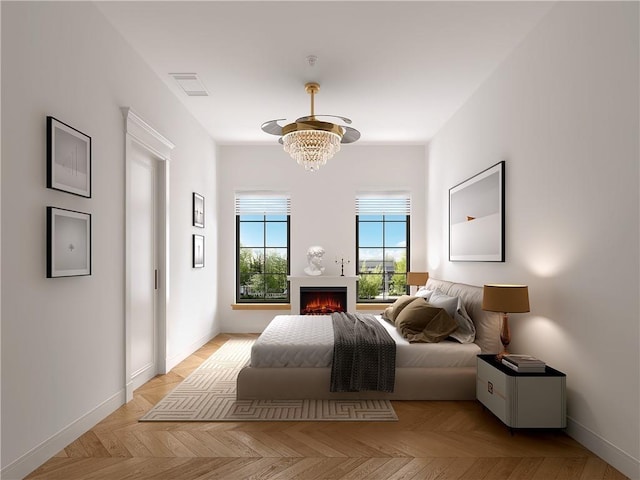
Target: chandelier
[(310, 141)]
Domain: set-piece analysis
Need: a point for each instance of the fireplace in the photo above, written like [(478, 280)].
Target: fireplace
[(313, 282), (322, 300)]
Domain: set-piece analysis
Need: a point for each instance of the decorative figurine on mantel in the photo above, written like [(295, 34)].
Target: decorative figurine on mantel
[(342, 262), (314, 259)]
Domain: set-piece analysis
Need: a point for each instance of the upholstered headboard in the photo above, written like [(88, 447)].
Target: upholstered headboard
[(487, 323)]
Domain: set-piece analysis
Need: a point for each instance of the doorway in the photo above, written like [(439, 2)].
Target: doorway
[(147, 256)]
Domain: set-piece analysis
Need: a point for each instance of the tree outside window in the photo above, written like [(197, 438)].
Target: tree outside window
[(262, 249), (382, 256)]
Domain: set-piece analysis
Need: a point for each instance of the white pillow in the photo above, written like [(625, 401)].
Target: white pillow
[(424, 293), (466, 332), (439, 299)]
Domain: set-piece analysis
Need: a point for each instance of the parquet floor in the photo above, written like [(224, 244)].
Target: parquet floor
[(432, 440)]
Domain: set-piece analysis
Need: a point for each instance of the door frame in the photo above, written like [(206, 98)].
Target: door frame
[(143, 135)]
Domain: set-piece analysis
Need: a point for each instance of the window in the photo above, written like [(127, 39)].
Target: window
[(382, 246), (262, 248)]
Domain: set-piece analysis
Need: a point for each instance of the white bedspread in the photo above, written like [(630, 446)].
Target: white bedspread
[(307, 341)]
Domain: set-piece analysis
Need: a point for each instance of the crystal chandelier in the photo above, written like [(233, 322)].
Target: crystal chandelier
[(311, 148), (309, 141)]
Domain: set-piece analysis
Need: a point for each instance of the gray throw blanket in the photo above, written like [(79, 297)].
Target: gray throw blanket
[(364, 354)]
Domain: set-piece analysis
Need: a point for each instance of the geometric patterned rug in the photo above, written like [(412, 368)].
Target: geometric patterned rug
[(209, 395)]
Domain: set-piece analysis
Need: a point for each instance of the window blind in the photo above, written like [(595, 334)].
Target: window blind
[(263, 204), (383, 204)]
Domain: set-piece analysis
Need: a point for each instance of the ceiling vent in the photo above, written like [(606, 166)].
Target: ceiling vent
[(191, 84)]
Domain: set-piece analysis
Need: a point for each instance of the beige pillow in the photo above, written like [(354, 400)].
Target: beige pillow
[(466, 332), (392, 311), (421, 322)]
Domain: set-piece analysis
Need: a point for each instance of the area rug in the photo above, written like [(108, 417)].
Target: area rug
[(209, 395)]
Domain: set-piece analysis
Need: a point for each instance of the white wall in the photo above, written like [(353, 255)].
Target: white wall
[(562, 111), (322, 208), (63, 339)]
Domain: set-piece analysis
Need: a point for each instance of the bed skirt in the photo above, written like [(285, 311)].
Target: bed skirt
[(313, 383)]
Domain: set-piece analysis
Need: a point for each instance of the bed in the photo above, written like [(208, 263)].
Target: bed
[(292, 357)]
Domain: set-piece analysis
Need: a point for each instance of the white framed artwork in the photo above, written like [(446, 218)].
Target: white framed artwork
[(68, 243)]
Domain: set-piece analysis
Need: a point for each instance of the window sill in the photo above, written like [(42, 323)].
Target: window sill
[(372, 306), (260, 306)]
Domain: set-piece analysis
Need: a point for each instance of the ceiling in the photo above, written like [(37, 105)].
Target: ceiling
[(399, 70)]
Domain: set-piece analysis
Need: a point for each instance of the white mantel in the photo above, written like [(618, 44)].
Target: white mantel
[(322, 281)]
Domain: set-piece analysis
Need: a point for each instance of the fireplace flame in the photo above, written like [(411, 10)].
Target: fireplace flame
[(322, 305)]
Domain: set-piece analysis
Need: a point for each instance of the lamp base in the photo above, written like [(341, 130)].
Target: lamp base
[(501, 354), (505, 336)]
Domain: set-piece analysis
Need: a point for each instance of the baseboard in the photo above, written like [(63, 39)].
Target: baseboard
[(138, 379), (142, 376), (128, 388), (185, 352), (43, 452), (611, 454)]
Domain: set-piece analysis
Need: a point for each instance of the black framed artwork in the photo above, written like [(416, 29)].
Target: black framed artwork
[(68, 159), (198, 251), (476, 217), (68, 243), (198, 210)]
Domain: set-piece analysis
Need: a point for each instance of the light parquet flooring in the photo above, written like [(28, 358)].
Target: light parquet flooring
[(431, 440)]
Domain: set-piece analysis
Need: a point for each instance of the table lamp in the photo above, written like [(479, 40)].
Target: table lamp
[(418, 279), (505, 299)]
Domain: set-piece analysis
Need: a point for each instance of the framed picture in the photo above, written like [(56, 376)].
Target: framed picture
[(68, 243), (198, 210), (476, 217), (68, 159), (198, 251)]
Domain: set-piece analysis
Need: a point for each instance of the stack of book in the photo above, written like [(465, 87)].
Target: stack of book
[(524, 363)]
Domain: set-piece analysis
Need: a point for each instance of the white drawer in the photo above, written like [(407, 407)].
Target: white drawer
[(491, 390)]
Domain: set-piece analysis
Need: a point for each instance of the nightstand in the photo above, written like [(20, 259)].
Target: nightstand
[(522, 400)]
